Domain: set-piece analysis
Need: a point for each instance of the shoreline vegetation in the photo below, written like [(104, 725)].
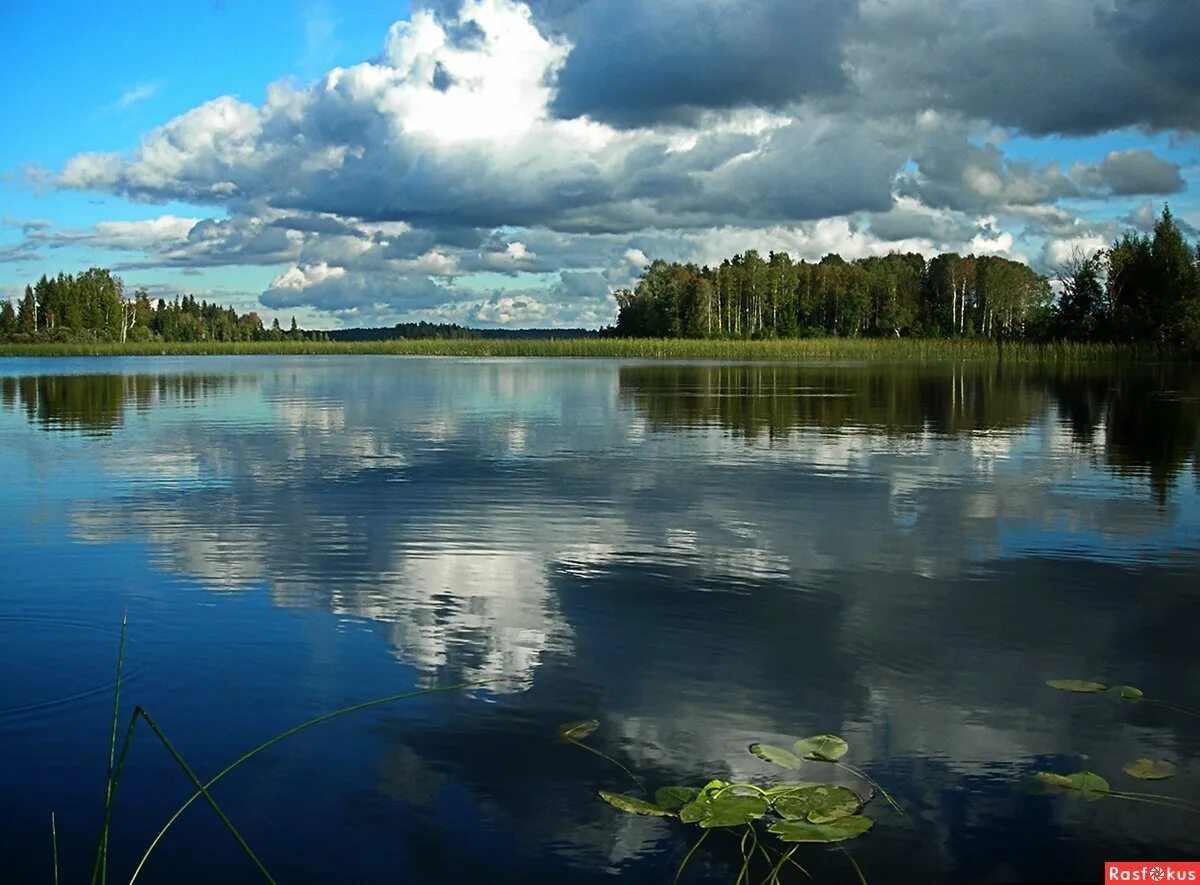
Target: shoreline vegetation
[(766, 350)]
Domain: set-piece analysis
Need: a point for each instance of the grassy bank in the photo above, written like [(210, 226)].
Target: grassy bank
[(638, 348)]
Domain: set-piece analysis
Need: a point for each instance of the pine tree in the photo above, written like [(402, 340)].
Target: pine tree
[(27, 314), (8, 320)]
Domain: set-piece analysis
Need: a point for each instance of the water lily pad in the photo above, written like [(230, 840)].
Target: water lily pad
[(836, 831), (730, 810), (1150, 769), (1078, 685), (819, 805), (577, 731), (782, 788), (776, 755), (822, 748), (700, 807), (674, 798), (1089, 784), (1051, 779), (633, 805), (1126, 692)]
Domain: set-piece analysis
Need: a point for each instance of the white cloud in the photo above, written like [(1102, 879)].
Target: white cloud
[(1059, 251), (297, 278), (510, 310), (637, 258), (517, 252), (135, 95)]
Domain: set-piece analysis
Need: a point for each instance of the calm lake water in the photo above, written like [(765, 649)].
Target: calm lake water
[(700, 556)]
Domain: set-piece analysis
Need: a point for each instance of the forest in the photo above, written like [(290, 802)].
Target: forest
[(1141, 289)]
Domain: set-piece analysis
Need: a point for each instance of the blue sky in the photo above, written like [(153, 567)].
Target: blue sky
[(495, 162), (121, 68)]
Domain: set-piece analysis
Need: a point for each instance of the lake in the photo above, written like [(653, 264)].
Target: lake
[(699, 556)]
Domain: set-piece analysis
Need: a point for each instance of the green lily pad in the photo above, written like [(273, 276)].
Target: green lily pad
[(1089, 784), (730, 810), (782, 788), (819, 805), (1126, 692), (1150, 769), (577, 731), (1051, 779), (776, 755), (699, 808), (674, 798), (822, 748), (1077, 685), (836, 831), (633, 805)]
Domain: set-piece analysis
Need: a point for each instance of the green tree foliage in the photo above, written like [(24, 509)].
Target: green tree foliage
[(92, 306), (1152, 287), (891, 296), (1142, 289), (8, 321), (1082, 309)]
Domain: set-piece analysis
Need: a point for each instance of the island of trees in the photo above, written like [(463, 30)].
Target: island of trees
[(1141, 289)]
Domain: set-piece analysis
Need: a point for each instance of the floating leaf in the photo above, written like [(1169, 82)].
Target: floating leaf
[(1054, 780), (1150, 769), (577, 731), (782, 788), (819, 805), (731, 810), (836, 831), (674, 798), (1126, 692), (633, 805), (776, 755), (822, 748), (1090, 784), (698, 809), (1078, 685)]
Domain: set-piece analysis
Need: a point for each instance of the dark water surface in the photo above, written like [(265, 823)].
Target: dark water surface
[(700, 556)]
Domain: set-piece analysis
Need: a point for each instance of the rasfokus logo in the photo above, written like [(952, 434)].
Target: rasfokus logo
[(1151, 871)]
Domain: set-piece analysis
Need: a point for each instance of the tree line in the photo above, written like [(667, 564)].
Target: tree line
[(1143, 288), (92, 306)]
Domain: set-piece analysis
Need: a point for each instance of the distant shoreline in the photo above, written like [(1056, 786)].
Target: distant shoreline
[(778, 350)]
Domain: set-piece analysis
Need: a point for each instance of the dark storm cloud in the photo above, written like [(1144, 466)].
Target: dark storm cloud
[(1046, 67), (648, 61), (1163, 34)]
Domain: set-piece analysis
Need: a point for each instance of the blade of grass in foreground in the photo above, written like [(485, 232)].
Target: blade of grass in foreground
[(100, 865), (54, 846), (202, 789)]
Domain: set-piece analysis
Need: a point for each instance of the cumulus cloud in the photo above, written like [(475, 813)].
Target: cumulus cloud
[(1059, 251), (536, 139), (361, 293), (1132, 172)]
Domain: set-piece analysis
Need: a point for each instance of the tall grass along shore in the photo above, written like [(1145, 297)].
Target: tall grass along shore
[(637, 348)]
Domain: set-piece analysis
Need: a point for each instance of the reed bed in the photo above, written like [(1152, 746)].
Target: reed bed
[(777, 350)]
